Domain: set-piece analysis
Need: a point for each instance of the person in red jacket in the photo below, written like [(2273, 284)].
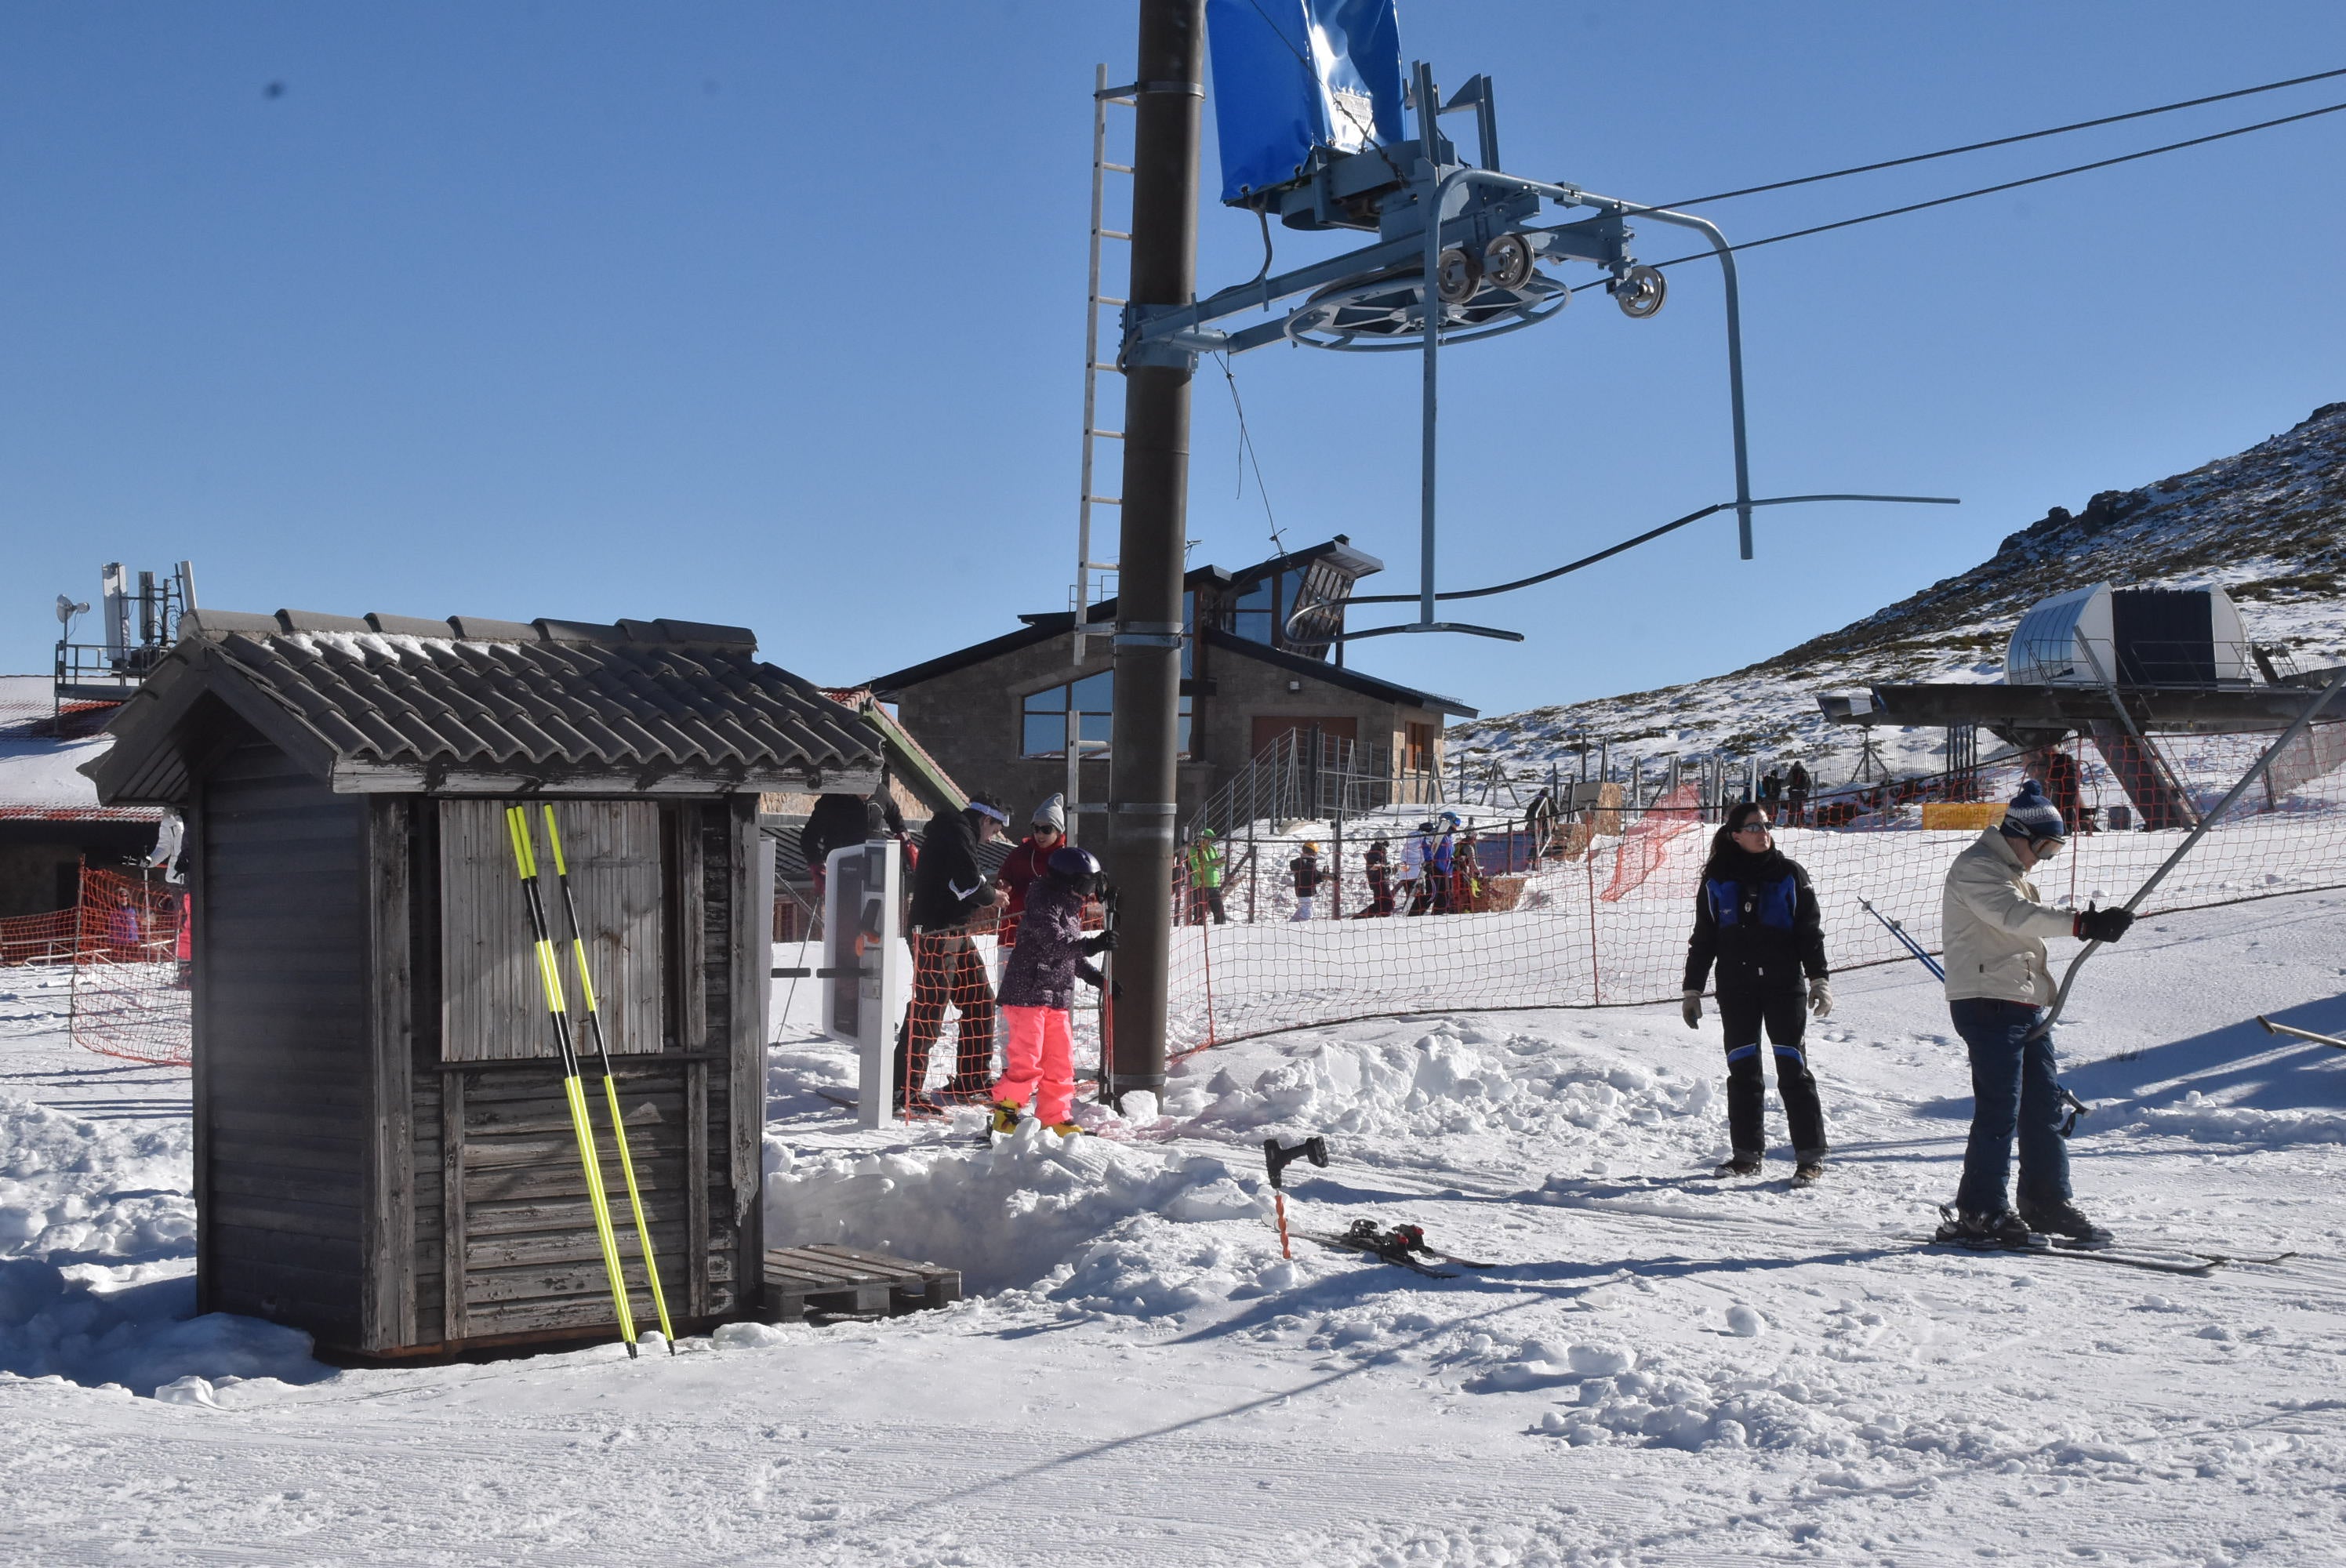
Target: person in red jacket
[(1028, 862)]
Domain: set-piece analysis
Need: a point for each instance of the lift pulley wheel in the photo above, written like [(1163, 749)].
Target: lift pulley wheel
[(1507, 261), (1639, 292), (1458, 276)]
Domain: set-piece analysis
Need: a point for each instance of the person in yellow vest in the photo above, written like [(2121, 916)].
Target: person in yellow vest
[(1205, 863)]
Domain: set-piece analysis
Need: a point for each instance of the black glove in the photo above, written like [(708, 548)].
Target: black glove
[(2101, 925), (1105, 942)]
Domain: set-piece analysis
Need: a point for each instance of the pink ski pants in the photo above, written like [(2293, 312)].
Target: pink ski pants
[(1038, 1061)]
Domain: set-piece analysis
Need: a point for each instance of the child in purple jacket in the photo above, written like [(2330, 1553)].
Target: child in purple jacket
[(1038, 989)]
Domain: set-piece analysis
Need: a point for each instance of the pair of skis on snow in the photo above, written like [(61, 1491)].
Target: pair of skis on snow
[(1403, 1245)]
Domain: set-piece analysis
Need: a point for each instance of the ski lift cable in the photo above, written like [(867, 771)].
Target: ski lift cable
[(1990, 190), (2008, 140), (1631, 544), (1247, 455)]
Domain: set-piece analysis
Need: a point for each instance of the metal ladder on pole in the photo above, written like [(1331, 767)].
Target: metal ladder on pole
[(1093, 576)]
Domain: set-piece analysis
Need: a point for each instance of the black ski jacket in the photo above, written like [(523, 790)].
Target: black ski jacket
[(1756, 916), (1306, 871), (948, 885)]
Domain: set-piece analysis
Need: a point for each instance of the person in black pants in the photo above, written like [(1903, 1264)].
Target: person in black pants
[(1756, 916)]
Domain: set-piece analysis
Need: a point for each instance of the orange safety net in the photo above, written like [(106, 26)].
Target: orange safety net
[(1595, 910), (130, 966)]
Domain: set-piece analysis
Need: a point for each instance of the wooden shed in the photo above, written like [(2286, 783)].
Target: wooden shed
[(382, 1154)]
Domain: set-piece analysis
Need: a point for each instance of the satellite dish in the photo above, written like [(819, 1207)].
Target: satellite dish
[(67, 610)]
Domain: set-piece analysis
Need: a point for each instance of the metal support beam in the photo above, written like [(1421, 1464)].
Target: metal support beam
[(1144, 742)]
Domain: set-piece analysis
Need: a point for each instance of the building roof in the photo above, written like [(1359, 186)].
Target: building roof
[(921, 772), (388, 703), (1336, 675), (1042, 628)]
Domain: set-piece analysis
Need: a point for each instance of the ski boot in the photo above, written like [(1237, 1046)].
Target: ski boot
[(2000, 1230), (1809, 1172), (1066, 1130), (1006, 1117), (2063, 1221), (1741, 1165)]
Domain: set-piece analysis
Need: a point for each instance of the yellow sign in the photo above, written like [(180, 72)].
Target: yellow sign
[(1973, 815)]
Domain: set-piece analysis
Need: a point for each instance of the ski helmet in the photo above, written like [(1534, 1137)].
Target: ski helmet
[(1310, 848), (1070, 864)]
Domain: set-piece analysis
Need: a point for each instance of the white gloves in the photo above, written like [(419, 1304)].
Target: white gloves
[(1821, 997), (1690, 1007)]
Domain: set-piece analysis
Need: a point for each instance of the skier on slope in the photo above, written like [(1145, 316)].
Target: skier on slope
[(1756, 915), (1440, 855), (1038, 989), (1412, 868), (1305, 869), (1020, 868), (1998, 986), (950, 893), (1377, 865)]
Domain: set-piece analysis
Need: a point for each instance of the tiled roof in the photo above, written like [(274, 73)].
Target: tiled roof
[(541, 699)]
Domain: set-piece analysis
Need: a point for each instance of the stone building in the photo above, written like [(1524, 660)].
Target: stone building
[(1262, 656)]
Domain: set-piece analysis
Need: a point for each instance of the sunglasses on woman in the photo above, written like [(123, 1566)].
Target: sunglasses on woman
[(1755, 827)]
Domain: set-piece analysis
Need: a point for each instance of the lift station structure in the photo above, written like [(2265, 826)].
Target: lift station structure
[(1310, 113)]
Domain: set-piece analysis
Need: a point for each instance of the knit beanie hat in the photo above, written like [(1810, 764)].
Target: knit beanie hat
[(2032, 816), (1052, 814)]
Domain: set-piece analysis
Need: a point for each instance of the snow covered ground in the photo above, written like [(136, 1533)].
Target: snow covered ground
[(1660, 1369)]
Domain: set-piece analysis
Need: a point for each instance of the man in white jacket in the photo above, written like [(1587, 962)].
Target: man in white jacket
[(1999, 984)]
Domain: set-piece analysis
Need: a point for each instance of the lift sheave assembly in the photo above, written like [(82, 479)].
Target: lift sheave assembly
[(1310, 101)]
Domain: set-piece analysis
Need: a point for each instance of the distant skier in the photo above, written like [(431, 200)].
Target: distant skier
[(1465, 875), (1441, 855), (1999, 984), (1305, 869), (949, 893), (1796, 796), (840, 820), (1205, 866), (2064, 788), (1038, 989), (1377, 865), (1756, 914), (1412, 868)]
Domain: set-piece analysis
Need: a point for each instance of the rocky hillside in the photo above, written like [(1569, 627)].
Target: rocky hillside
[(2268, 526)]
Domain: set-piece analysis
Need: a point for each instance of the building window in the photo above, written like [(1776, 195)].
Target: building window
[(1044, 717), (1420, 755)]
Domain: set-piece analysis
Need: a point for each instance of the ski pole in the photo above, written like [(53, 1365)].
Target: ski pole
[(1912, 946), (610, 1088), (1107, 1004), (2257, 772), (2273, 1028), (549, 975)]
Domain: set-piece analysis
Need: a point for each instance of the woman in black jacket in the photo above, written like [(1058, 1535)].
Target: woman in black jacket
[(1756, 916)]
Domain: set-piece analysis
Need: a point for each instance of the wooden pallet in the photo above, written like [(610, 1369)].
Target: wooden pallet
[(827, 1278)]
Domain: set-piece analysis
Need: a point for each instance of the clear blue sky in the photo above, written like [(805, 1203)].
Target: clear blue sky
[(771, 314)]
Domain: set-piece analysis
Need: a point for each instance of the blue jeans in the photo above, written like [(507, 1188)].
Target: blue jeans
[(2015, 1089)]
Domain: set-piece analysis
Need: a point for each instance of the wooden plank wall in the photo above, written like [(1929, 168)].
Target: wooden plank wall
[(493, 1005), (501, 1196), (283, 1025), (524, 1235)]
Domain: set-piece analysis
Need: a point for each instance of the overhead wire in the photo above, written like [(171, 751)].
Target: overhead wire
[(1990, 190), (2006, 141)]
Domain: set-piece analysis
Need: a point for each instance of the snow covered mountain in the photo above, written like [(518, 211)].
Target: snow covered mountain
[(2268, 524)]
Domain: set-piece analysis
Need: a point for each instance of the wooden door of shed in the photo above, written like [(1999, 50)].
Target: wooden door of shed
[(493, 1003)]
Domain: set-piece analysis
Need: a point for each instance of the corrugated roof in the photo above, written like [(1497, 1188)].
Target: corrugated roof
[(543, 701)]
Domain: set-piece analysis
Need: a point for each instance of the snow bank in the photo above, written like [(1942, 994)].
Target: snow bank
[(72, 1191), (1456, 1078), (1008, 1215), (97, 1240), (2204, 1120)]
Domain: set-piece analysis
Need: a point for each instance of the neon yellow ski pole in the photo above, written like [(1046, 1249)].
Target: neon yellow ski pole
[(549, 975), (610, 1089)]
